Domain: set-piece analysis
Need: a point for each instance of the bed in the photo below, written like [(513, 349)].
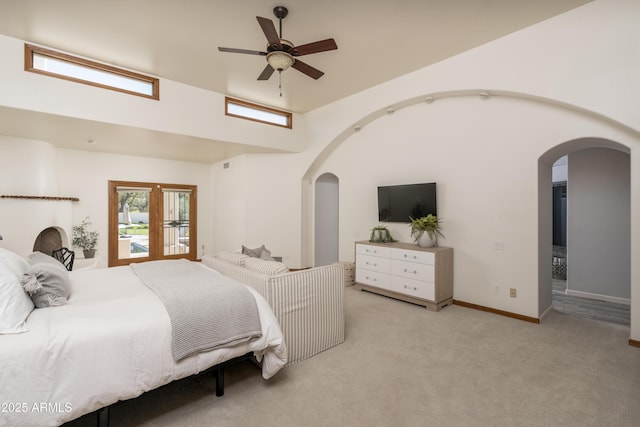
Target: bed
[(111, 341)]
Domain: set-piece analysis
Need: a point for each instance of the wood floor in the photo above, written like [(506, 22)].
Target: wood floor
[(587, 307)]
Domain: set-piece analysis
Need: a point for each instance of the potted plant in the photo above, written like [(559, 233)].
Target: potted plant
[(425, 230), (85, 239), (381, 234)]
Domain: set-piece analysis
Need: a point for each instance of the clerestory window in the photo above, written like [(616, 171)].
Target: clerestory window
[(56, 64)]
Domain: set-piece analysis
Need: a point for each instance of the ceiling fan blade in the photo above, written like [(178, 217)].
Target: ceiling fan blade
[(266, 73), (247, 51), (270, 32), (307, 69), (315, 47)]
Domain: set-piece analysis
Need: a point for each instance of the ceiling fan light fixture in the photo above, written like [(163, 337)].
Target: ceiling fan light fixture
[(280, 60)]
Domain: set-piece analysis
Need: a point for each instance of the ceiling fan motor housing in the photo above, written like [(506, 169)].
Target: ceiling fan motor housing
[(280, 12)]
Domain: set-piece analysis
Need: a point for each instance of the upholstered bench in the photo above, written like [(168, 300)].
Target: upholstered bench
[(309, 304)]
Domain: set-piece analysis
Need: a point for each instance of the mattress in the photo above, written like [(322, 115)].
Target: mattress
[(110, 342)]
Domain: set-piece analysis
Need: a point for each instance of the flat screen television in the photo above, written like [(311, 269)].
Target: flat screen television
[(396, 203)]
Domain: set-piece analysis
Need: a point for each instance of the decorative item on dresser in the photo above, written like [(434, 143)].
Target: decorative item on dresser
[(381, 234), (404, 271), (425, 230)]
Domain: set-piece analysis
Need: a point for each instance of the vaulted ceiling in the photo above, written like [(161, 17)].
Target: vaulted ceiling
[(178, 40)]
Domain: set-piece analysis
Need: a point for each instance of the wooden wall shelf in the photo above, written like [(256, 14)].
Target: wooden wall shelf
[(53, 198)]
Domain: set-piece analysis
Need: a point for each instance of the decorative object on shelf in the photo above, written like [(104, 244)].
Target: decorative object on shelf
[(381, 234), (84, 238), (425, 230)]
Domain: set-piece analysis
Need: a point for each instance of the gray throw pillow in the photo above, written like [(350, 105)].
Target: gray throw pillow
[(46, 281), (261, 252)]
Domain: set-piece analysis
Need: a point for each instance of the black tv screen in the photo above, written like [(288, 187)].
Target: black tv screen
[(396, 203)]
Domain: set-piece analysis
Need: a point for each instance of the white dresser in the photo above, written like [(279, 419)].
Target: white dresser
[(406, 271)]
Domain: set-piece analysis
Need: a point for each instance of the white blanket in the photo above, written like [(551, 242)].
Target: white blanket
[(112, 341)]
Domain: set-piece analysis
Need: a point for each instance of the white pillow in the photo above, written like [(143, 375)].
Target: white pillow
[(264, 266), (233, 258), (15, 304), (15, 262)]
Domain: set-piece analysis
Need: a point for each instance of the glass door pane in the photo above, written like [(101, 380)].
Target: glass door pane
[(176, 225), (133, 222)]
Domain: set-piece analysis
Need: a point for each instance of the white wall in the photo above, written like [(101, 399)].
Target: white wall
[(85, 175), (182, 109), (598, 223), (570, 77), (29, 169), (482, 152), (229, 200), (486, 171)]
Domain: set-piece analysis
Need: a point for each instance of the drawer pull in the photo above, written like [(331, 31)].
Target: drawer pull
[(411, 288), (407, 256), (373, 280), (412, 272), (371, 263)]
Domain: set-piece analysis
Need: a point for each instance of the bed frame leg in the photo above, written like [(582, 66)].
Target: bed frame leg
[(219, 374), (103, 417)]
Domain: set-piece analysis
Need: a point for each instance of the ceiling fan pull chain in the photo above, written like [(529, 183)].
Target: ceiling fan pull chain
[(280, 82)]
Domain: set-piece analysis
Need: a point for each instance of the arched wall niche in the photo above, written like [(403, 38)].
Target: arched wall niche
[(326, 219)]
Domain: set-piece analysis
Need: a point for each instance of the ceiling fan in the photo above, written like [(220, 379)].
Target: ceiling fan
[(282, 54)]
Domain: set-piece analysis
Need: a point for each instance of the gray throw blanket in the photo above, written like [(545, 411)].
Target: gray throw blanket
[(207, 310)]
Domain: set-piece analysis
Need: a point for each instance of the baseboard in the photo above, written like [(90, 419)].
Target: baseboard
[(496, 311), (617, 300), (634, 343), (545, 313)]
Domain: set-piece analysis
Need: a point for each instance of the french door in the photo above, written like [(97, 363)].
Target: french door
[(151, 221)]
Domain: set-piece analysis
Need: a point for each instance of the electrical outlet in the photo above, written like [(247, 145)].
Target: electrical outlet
[(496, 290), (512, 292)]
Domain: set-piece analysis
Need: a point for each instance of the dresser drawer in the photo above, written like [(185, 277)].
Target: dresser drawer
[(413, 256), (414, 288), (413, 270), (373, 250), (373, 278), (373, 263)]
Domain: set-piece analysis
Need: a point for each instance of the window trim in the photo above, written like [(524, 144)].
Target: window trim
[(30, 50), (286, 114)]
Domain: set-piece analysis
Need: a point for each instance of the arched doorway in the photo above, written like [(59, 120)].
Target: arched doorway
[(598, 235), (326, 220)]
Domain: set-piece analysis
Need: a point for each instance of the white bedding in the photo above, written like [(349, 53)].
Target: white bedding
[(111, 342)]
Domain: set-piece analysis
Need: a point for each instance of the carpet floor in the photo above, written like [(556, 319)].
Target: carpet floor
[(402, 365)]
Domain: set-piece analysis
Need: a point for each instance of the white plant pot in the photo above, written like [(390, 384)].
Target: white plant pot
[(425, 241)]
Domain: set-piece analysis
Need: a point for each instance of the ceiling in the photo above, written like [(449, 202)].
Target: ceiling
[(178, 40)]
